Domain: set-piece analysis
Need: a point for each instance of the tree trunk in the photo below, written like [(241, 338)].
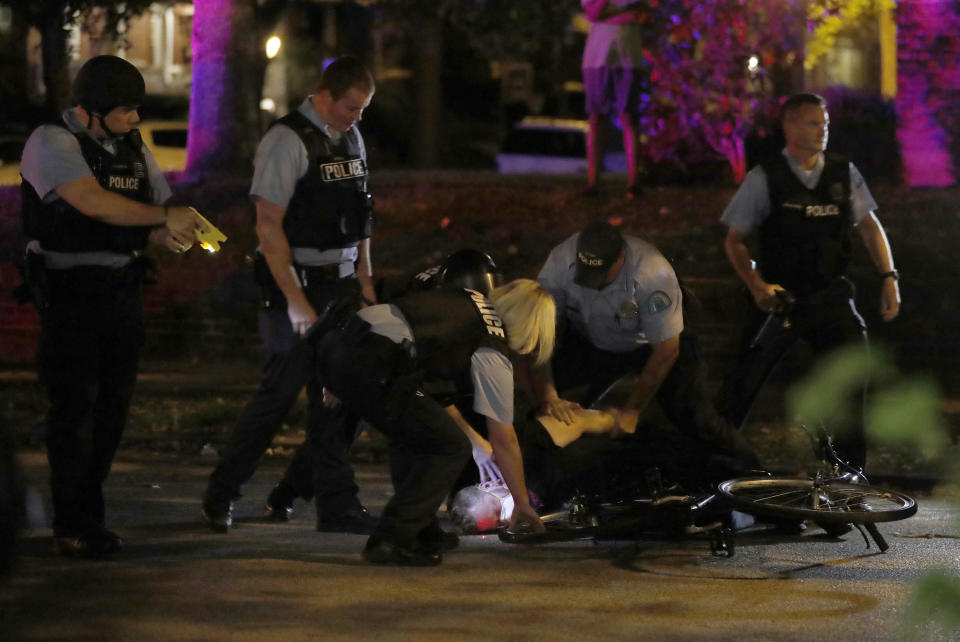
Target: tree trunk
[(429, 94), (56, 68), (13, 68), (228, 67)]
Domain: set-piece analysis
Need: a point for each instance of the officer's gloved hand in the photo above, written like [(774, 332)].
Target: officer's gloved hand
[(486, 462)]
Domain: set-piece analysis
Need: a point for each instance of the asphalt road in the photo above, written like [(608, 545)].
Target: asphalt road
[(175, 580)]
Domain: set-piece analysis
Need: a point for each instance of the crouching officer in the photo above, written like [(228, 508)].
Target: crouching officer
[(377, 362), (467, 268), (314, 220), (623, 311), (92, 195)]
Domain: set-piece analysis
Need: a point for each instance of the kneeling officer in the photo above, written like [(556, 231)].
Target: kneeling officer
[(377, 362)]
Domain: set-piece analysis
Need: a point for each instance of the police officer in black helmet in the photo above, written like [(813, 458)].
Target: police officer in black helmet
[(92, 200), (466, 268), (380, 363)]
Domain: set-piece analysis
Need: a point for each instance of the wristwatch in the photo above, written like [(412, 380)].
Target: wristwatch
[(892, 273)]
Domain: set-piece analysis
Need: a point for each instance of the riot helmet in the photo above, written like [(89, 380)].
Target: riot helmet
[(470, 269), (107, 82)]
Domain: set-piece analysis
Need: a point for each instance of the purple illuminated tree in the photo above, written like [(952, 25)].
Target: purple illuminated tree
[(716, 66), (928, 96)]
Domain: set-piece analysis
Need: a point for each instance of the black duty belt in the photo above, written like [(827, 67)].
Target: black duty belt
[(319, 274)]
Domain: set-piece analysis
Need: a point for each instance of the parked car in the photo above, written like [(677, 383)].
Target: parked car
[(166, 139), (539, 145)]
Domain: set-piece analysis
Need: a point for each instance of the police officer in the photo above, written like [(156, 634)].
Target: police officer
[(377, 363), (314, 218), (621, 305), (803, 205), (467, 268), (92, 197)]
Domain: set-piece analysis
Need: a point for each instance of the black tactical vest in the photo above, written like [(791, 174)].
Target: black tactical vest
[(448, 327), (59, 227), (330, 207), (805, 242)]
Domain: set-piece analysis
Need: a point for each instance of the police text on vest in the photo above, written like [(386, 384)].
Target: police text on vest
[(490, 318)]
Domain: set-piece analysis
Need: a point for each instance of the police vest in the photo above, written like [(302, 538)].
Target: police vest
[(60, 227), (330, 207), (805, 242), (448, 327)]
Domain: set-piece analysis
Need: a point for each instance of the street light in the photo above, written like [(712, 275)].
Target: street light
[(273, 46)]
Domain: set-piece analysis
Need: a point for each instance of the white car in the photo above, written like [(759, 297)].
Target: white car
[(539, 145), (167, 140)]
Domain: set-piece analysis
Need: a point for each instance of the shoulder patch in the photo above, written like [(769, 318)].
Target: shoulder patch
[(658, 302)]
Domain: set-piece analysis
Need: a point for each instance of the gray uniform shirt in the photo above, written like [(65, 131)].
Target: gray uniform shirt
[(642, 305), (490, 371), (281, 160), (750, 206), (52, 157)]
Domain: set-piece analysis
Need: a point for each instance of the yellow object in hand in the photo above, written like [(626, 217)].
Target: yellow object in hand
[(210, 237)]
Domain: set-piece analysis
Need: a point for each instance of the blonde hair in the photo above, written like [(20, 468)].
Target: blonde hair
[(530, 317)]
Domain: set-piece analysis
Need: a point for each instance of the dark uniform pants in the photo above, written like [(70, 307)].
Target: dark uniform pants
[(825, 320), (372, 376), (291, 365), (91, 333), (683, 394)]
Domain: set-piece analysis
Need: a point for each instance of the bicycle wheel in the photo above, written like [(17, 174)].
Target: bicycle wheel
[(828, 503)]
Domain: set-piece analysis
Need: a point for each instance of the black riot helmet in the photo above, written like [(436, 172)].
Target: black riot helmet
[(471, 269), (107, 82)]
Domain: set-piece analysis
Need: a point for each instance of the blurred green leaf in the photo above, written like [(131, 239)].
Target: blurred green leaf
[(934, 610), (826, 394), (909, 413)]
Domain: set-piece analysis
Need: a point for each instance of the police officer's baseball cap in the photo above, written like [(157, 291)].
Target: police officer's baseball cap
[(107, 82), (598, 247)]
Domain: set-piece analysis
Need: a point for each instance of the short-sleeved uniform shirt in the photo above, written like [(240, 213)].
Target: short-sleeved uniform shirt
[(52, 157), (281, 160), (750, 206), (643, 305), (490, 371)]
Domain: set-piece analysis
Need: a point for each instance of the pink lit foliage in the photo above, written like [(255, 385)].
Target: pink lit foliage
[(704, 87), (928, 96)]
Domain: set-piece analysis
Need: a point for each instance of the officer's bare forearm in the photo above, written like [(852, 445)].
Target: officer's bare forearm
[(506, 448), (365, 269), (875, 239), (463, 424), (276, 250), (654, 372), (87, 195), (741, 261)]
